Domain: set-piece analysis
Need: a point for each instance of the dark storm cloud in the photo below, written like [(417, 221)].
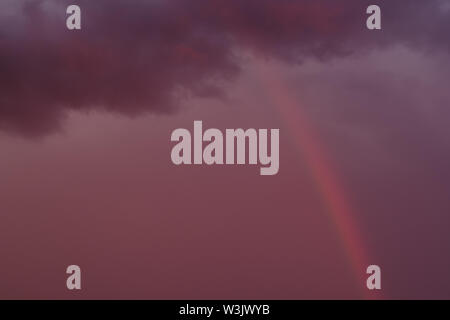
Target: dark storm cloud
[(142, 56)]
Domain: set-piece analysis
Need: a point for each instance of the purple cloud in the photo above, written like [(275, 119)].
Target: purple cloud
[(144, 56)]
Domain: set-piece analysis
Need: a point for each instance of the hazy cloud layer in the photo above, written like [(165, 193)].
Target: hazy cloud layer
[(143, 56)]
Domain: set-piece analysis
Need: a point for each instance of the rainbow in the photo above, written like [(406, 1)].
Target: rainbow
[(335, 199)]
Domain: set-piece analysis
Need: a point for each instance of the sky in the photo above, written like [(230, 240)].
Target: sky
[(86, 175)]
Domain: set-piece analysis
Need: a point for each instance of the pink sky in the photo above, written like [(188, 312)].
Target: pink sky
[(86, 175)]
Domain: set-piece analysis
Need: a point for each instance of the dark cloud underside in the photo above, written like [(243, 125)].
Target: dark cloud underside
[(133, 57)]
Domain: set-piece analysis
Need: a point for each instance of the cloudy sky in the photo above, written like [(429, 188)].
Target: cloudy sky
[(86, 176)]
